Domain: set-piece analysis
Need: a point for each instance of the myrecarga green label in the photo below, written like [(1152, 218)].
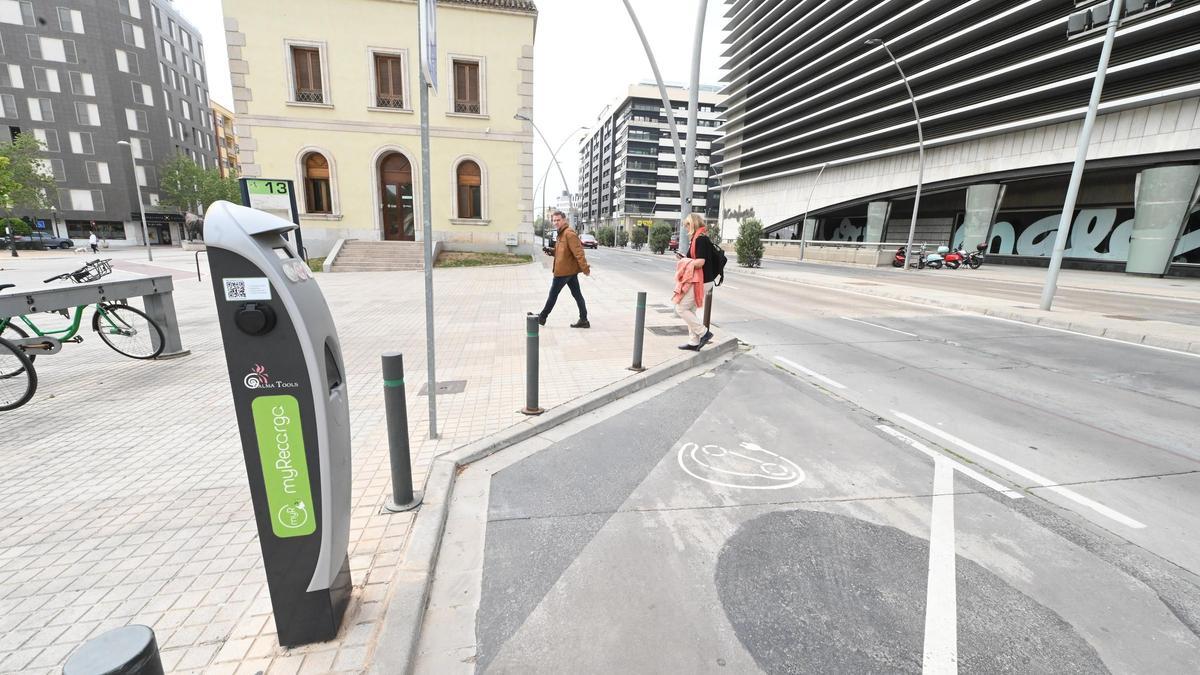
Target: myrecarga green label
[(285, 469)]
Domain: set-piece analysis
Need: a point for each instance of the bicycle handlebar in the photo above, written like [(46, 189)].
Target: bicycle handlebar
[(61, 276)]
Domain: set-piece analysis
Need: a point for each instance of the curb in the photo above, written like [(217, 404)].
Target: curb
[(1044, 319), (405, 606)]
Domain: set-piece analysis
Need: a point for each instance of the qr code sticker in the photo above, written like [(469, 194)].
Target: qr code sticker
[(235, 289)]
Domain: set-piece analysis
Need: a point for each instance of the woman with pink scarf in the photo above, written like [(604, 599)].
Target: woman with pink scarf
[(694, 276)]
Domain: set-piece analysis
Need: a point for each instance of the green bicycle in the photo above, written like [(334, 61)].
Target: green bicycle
[(126, 329)]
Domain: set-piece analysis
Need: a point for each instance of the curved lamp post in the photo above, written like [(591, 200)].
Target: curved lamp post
[(542, 185), (141, 206), (554, 157), (912, 228)]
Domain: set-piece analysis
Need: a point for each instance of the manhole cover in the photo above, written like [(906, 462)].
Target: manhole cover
[(1125, 318), (668, 330), (451, 387)]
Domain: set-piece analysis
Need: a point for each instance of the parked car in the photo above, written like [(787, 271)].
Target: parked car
[(674, 245), (588, 241), (41, 240)]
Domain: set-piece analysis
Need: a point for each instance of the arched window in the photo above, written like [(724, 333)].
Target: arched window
[(470, 190), (316, 184)]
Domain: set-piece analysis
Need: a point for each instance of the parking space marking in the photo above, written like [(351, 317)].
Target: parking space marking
[(1103, 510), (941, 592), (958, 466), (813, 374), (878, 326)]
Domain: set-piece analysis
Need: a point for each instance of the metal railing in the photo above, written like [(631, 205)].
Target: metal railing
[(310, 96), (467, 108), (389, 101)]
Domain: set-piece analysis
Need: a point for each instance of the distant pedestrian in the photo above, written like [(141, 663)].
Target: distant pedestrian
[(694, 275), (93, 241), (569, 261)]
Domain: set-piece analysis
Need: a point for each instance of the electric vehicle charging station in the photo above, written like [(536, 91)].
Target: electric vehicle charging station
[(289, 393)]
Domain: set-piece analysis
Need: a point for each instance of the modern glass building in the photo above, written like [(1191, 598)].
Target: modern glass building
[(819, 121), (628, 173), (82, 75)]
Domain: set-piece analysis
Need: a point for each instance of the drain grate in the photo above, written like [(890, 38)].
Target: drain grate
[(451, 387), (668, 330), (1123, 317)]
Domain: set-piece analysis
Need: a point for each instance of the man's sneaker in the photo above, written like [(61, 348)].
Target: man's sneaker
[(582, 323), (690, 348), (541, 319), (707, 336)]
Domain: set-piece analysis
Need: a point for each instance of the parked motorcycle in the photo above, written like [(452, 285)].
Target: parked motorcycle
[(956, 258), (975, 259), (924, 259)]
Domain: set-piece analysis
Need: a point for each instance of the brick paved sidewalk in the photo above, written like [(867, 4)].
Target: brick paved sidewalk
[(124, 495)]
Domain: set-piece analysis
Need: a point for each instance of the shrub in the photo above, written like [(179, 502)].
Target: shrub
[(714, 232), (639, 236), (604, 235), (622, 238), (18, 226), (660, 237), (749, 243)]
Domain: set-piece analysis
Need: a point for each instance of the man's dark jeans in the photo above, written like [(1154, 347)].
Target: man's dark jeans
[(571, 282)]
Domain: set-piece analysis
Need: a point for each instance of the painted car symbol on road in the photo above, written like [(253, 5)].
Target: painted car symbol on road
[(750, 466)]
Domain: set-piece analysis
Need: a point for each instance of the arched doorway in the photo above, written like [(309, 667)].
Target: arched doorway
[(396, 198)]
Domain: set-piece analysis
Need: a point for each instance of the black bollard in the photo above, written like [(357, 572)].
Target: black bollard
[(531, 366), (395, 405), (128, 650), (707, 307), (639, 332)]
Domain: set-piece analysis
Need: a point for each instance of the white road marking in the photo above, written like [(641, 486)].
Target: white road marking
[(815, 375), (771, 471), (958, 466), (729, 286), (941, 592), (878, 326), (1022, 471), (1094, 337)]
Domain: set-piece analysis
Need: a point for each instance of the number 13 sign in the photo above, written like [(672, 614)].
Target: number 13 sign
[(276, 197)]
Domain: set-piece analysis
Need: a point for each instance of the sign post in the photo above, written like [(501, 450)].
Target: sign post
[(277, 197), (427, 31)]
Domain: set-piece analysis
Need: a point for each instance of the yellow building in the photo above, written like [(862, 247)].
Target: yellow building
[(227, 144), (326, 94)]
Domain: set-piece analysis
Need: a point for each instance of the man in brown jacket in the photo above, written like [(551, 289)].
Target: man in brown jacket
[(569, 261)]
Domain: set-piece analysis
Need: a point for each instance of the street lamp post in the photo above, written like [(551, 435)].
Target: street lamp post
[(1081, 150), (912, 228), (141, 207), (553, 157), (54, 219), (542, 184), (804, 218)]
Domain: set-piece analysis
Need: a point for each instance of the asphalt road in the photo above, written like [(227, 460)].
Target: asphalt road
[(874, 487)]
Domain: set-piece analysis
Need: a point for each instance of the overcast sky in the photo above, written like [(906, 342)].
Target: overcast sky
[(586, 55)]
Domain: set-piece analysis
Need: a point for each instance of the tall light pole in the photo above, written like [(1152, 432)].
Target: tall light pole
[(141, 207), (1081, 150), (685, 169), (554, 158), (54, 219), (804, 219), (912, 228)]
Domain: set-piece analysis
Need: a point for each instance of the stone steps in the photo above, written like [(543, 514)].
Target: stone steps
[(379, 256)]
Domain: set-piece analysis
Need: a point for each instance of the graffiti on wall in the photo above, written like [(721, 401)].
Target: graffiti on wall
[(842, 229), (737, 215)]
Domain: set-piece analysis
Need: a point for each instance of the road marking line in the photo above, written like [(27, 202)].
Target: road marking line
[(815, 375), (941, 592), (937, 456), (1022, 471), (729, 286), (1094, 337), (878, 326)]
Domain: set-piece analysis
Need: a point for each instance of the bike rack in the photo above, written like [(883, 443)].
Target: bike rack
[(156, 294)]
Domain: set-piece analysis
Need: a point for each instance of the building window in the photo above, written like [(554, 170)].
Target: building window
[(133, 35), (167, 50), (134, 8), (17, 13), (143, 94), (46, 79), (87, 114), (389, 81), (135, 120), (81, 200), (51, 49), (81, 143), (82, 84), (127, 62), (41, 110), (97, 172), (467, 98), (470, 190), (9, 106), (48, 138), (53, 167), (307, 75), (317, 194), (142, 149), (70, 20), (186, 109), (10, 76)]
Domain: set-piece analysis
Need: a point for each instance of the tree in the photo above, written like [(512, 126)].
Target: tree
[(749, 243), (622, 238), (24, 182), (604, 235), (640, 234), (660, 237), (714, 232), (191, 189)]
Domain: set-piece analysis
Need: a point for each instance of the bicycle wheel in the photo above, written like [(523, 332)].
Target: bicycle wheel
[(15, 332), (128, 331), (18, 380)]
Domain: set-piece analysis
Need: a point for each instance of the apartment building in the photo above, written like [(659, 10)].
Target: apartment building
[(226, 141)]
